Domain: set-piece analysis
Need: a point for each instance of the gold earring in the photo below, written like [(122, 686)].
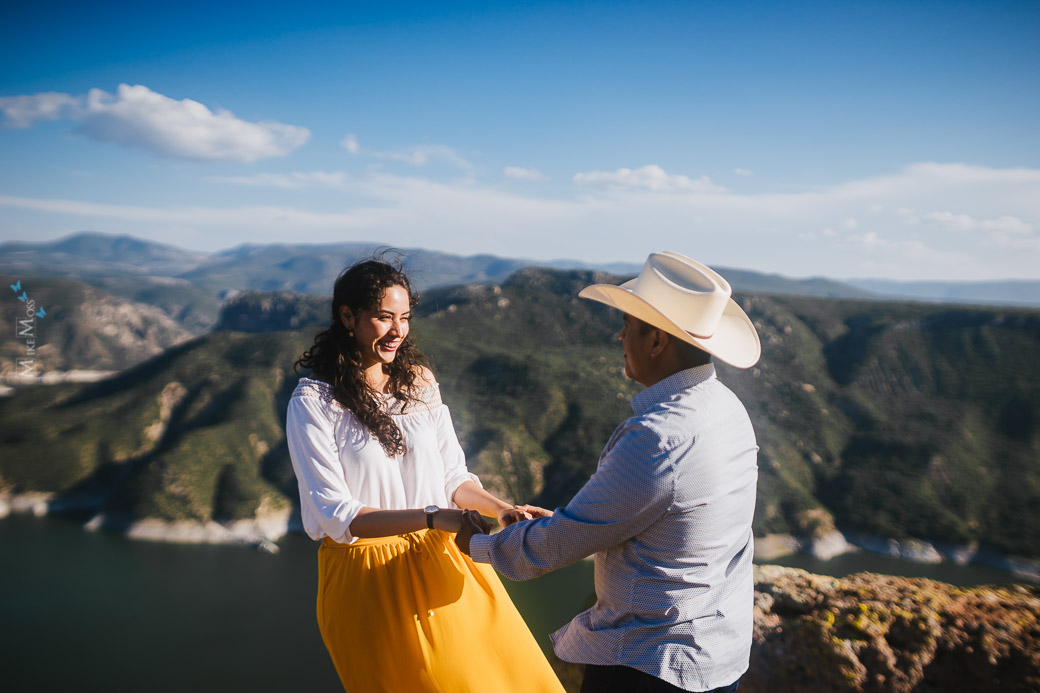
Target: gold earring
[(350, 333)]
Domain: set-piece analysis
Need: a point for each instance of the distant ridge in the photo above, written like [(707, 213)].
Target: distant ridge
[(90, 252), (107, 260), (312, 268), (1021, 292)]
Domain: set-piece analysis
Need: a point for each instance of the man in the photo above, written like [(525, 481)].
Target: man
[(668, 512)]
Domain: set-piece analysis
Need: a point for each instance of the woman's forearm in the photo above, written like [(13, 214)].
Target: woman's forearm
[(372, 522), (471, 495)]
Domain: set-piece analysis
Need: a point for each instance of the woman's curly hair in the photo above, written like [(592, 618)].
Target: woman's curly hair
[(336, 359)]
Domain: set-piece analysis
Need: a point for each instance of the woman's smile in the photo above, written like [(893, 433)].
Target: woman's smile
[(380, 331)]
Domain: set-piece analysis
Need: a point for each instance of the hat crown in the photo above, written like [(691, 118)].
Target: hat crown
[(688, 300), (692, 295)]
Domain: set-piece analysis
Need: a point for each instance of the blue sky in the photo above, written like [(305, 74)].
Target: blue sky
[(842, 139)]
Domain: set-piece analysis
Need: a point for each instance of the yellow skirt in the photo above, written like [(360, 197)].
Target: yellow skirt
[(411, 613)]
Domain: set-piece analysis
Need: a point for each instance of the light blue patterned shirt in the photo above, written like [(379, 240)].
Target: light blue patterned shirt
[(668, 516)]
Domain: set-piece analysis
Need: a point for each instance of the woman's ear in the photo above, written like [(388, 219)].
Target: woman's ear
[(346, 317)]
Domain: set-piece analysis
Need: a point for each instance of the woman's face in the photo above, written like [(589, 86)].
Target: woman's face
[(380, 330)]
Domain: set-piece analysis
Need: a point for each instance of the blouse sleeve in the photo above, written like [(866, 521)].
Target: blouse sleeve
[(455, 471), (315, 459)]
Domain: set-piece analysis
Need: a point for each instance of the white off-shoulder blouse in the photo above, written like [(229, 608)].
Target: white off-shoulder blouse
[(341, 467)]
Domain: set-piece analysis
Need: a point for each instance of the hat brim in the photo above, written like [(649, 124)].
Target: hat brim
[(735, 340)]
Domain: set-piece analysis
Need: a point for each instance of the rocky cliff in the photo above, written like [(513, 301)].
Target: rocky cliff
[(80, 327), (880, 633)]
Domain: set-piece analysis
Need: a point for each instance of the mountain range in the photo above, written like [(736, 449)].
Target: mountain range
[(84, 328), (899, 420), (164, 294), (106, 261)]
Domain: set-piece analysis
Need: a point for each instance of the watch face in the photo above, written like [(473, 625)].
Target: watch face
[(431, 508)]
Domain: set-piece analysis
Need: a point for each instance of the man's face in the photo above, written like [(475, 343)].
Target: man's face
[(636, 338)]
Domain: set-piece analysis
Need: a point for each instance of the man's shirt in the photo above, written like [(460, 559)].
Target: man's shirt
[(668, 516)]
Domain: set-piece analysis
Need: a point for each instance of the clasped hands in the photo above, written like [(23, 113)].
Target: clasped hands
[(473, 522)]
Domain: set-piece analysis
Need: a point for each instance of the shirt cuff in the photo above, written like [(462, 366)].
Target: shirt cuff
[(453, 485), (480, 548)]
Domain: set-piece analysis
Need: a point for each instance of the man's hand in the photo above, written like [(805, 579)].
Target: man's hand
[(533, 511), (508, 516), (472, 523)]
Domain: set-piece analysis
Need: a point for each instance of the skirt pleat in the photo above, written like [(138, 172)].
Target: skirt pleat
[(412, 613)]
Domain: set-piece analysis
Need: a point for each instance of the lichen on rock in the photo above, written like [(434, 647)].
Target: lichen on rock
[(872, 632)]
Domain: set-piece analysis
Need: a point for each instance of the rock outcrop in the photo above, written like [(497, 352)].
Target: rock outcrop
[(872, 632), (867, 632)]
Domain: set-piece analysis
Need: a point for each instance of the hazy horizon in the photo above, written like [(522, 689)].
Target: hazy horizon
[(630, 267)]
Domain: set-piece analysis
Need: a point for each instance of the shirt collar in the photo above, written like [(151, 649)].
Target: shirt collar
[(672, 385)]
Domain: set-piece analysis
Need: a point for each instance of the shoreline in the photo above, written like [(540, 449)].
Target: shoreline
[(836, 543), (262, 533)]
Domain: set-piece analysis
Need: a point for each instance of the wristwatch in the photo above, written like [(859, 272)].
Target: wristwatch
[(430, 511)]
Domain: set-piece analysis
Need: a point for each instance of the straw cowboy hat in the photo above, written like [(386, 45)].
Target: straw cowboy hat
[(689, 300)]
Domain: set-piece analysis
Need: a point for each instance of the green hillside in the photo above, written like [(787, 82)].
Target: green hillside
[(84, 327), (197, 433), (900, 420)]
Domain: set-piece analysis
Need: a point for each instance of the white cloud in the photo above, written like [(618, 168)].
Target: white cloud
[(871, 239), (423, 155), (1009, 225), (522, 173), (885, 254), (247, 219), (290, 181), (743, 171), (136, 116), (22, 111), (415, 157), (951, 221), (610, 223), (849, 223), (350, 143), (652, 177), (1006, 224)]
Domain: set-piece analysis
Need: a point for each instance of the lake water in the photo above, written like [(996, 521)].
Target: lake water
[(83, 611), (846, 564)]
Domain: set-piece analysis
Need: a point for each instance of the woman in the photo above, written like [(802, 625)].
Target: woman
[(383, 482)]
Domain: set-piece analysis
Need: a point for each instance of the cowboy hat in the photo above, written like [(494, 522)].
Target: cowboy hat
[(688, 300)]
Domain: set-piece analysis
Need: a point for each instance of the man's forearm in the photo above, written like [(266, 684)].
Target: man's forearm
[(533, 548)]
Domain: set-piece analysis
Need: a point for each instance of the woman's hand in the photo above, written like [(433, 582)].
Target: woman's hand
[(533, 511), (508, 516)]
